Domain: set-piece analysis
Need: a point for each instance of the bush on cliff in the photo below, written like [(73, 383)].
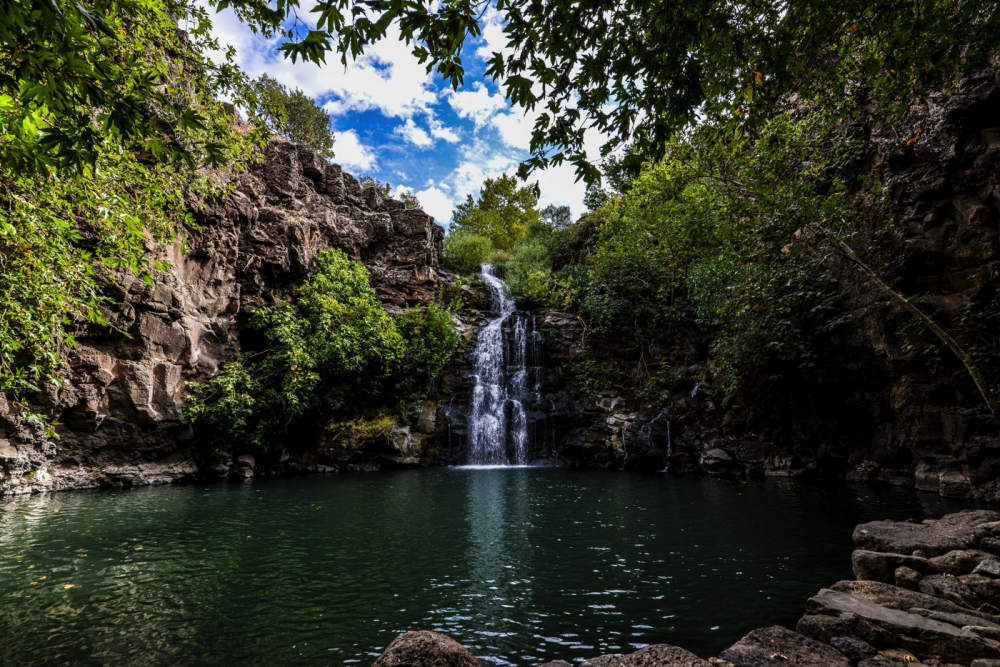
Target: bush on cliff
[(465, 250), (333, 355)]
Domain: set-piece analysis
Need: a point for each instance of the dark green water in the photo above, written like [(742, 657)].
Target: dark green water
[(520, 565)]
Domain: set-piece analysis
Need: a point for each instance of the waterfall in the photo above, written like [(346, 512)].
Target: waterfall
[(504, 365)]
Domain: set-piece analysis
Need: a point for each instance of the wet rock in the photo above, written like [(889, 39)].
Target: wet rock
[(892, 659), (853, 648), (556, 663), (949, 588), (961, 561), (776, 645), (907, 578), (876, 566), (986, 589), (991, 545), (821, 628), (988, 568), (425, 649), (894, 597), (658, 655), (961, 531), (935, 637)]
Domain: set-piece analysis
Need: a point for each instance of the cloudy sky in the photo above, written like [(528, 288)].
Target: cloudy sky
[(396, 122)]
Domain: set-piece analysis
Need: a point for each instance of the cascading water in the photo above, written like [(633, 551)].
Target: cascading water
[(498, 422)]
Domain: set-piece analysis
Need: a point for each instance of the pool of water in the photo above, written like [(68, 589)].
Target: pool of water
[(520, 565)]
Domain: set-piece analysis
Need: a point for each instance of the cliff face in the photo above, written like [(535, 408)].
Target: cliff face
[(120, 416)]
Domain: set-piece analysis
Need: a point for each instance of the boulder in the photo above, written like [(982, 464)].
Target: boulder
[(986, 589), (907, 578), (991, 545), (821, 628), (961, 561), (899, 627), (894, 597), (425, 649), (949, 588), (658, 655), (876, 566), (960, 531), (776, 645), (988, 568), (853, 648)]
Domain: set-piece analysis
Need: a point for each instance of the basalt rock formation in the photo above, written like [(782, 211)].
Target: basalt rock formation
[(120, 416), (944, 621)]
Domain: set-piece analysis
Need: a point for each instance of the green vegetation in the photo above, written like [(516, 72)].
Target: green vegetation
[(294, 116), (465, 250), (502, 212), (643, 71), (408, 198), (108, 116), (706, 242), (333, 355)]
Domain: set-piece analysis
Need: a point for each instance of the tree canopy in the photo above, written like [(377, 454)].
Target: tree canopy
[(502, 212), (639, 71), (294, 115)]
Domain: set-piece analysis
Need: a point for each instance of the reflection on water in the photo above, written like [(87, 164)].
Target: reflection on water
[(520, 565)]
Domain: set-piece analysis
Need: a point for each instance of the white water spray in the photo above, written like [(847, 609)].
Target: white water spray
[(498, 424)]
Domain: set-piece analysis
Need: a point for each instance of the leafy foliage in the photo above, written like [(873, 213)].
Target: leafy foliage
[(465, 251), (707, 239), (502, 212), (294, 115), (105, 111), (333, 354), (557, 217), (640, 71), (75, 76)]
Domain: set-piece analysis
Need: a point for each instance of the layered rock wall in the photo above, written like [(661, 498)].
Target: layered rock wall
[(120, 416)]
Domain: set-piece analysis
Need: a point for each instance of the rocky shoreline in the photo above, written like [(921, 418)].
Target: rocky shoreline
[(925, 594)]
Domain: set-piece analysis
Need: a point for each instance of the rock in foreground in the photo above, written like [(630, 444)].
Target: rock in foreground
[(426, 649)]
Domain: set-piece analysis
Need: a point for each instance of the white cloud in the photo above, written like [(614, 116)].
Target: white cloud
[(386, 78), (413, 134), (477, 104), (515, 127), (436, 202), (494, 40), (440, 131), (351, 154)]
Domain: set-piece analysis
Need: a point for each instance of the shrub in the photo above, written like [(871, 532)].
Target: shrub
[(465, 251), (333, 355)]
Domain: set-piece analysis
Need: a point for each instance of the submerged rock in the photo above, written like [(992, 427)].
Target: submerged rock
[(425, 649)]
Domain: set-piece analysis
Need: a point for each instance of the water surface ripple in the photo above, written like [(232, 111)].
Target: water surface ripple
[(521, 565)]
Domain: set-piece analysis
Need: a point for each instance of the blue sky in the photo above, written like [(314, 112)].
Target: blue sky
[(396, 122)]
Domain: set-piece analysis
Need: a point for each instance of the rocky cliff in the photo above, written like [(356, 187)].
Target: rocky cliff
[(120, 417)]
